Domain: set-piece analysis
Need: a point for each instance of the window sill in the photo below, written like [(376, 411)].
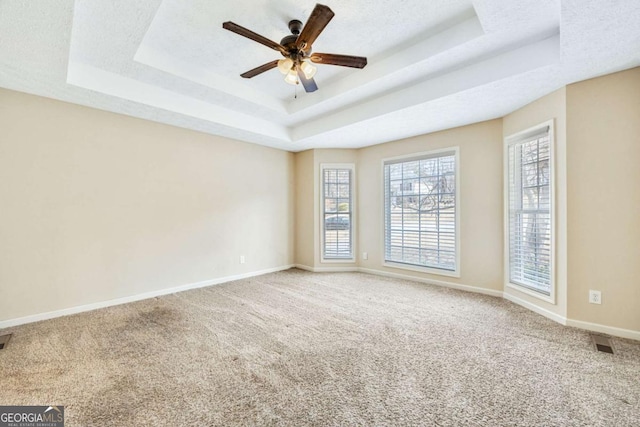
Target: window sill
[(426, 270)]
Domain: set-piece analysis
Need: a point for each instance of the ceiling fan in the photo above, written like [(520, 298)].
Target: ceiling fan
[(296, 49)]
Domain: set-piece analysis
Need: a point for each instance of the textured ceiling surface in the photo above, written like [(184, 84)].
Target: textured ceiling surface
[(432, 65)]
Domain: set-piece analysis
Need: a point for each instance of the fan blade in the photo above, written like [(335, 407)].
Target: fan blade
[(253, 36), (342, 60), (259, 70), (309, 84), (319, 19)]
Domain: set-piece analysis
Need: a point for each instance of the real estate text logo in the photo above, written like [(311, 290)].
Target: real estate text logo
[(31, 416)]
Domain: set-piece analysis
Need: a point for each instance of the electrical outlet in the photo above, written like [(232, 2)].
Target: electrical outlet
[(595, 297), (241, 259), (365, 255)]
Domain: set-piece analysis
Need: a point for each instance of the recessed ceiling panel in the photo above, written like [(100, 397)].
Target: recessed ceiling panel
[(191, 32), (431, 65)]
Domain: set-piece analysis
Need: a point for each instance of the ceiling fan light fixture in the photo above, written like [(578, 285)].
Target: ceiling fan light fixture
[(285, 65), (308, 69), (296, 50), (291, 77)]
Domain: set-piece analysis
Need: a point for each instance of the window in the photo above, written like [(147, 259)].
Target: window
[(337, 212), (421, 214), (530, 207)]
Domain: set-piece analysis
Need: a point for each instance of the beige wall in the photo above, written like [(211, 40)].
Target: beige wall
[(480, 201), (305, 209), (97, 206), (550, 107), (603, 131)]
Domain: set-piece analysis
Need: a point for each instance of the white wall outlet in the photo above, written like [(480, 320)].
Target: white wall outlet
[(595, 297), (241, 259), (365, 255)]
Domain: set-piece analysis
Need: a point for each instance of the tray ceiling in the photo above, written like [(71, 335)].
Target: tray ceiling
[(432, 65)]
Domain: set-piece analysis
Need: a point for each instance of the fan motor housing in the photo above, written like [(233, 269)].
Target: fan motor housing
[(289, 41)]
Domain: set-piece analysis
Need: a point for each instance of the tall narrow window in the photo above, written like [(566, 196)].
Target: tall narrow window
[(530, 207), (420, 200), (337, 212)]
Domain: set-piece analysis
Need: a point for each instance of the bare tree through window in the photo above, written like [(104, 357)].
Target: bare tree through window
[(420, 211), (530, 213)]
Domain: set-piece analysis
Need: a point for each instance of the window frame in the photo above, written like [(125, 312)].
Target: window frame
[(352, 223), (455, 151), (510, 140)]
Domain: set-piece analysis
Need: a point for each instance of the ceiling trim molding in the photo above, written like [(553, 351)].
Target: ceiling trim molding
[(89, 77), (517, 61)]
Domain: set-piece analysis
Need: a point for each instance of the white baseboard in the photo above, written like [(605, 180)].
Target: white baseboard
[(327, 269), (304, 267), (468, 288), (603, 329), (94, 306), (594, 327), (536, 309), (445, 284), (588, 326)]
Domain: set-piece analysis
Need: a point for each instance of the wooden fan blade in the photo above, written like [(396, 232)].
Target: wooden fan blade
[(342, 60), (319, 19), (253, 36), (309, 84), (259, 70)]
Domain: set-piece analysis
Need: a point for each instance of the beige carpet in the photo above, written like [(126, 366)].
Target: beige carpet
[(297, 348)]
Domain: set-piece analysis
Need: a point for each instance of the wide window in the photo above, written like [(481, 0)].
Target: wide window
[(421, 211), (337, 212), (530, 207)]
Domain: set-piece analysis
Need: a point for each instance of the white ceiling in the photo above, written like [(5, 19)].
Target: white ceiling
[(432, 65)]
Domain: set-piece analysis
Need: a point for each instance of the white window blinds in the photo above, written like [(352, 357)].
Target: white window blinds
[(337, 213), (530, 208), (420, 211)]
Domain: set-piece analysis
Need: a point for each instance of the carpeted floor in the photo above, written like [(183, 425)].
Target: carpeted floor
[(296, 348)]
